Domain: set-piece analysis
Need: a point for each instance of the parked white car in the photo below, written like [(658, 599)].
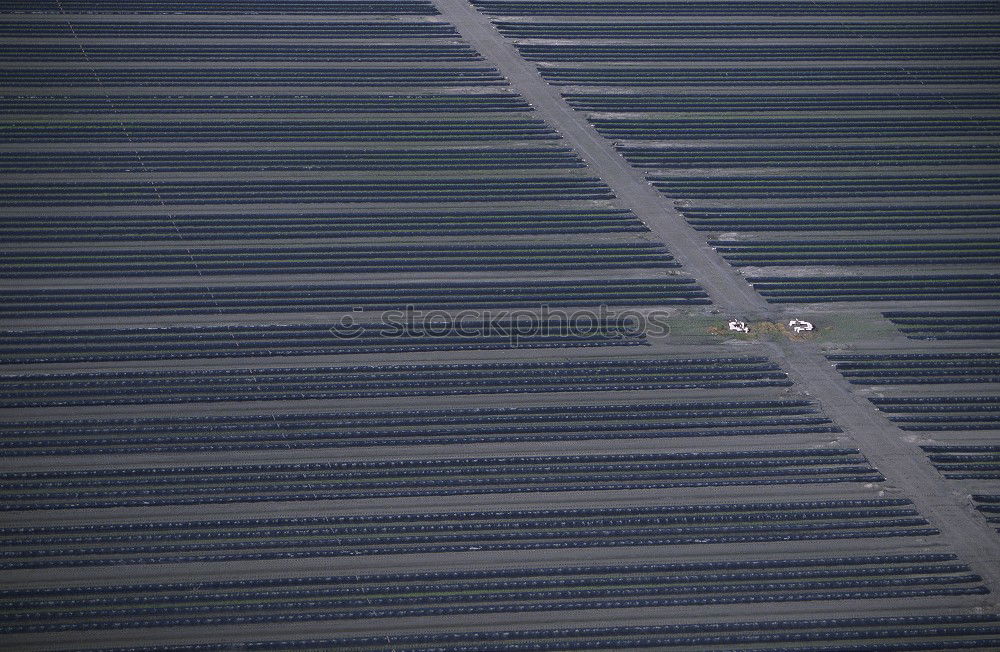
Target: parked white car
[(800, 325)]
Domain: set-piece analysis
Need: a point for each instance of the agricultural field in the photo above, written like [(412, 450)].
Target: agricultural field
[(948, 400), (830, 123), (366, 325), (948, 325)]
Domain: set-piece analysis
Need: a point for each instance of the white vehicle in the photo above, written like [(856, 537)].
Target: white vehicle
[(739, 326), (800, 325)]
